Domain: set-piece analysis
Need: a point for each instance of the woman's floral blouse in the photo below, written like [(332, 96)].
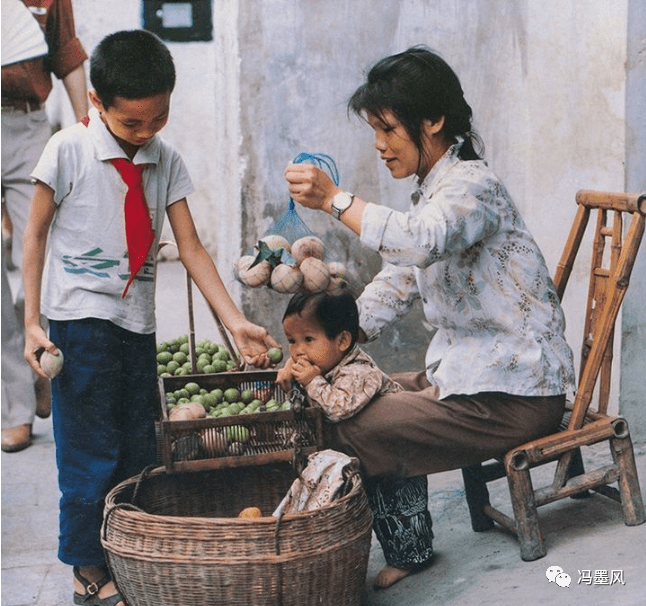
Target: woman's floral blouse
[(487, 295)]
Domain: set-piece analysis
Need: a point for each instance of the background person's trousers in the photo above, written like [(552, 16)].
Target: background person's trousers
[(103, 408), (412, 434)]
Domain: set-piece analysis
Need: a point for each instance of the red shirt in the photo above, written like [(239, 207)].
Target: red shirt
[(31, 80)]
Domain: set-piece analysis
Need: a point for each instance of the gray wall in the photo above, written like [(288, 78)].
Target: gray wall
[(633, 329), (557, 89)]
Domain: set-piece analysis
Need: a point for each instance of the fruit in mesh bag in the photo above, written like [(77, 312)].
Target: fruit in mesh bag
[(316, 274), (286, 279), (275, 241), (338, 278), (308, 246), (258, 275)]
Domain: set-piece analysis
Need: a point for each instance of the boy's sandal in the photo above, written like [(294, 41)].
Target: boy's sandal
[(91, 596)]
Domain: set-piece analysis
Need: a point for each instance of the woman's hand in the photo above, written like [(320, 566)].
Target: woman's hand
[(310, 186), (253, 343)]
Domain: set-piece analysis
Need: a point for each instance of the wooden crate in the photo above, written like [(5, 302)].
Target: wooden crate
[(237, 440)]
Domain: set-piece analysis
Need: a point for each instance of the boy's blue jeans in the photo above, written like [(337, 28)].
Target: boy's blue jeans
[(104, 405)]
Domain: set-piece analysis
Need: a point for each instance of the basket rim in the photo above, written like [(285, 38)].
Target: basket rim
[(111, 507)]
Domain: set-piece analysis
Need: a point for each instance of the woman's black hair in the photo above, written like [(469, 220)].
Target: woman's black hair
[(418, 85), (334, 313), (132, 64)]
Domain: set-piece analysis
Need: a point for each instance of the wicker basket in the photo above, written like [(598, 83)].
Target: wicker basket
[(176, 540)]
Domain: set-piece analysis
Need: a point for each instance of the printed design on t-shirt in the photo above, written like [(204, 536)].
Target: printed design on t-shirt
[(92, 263)]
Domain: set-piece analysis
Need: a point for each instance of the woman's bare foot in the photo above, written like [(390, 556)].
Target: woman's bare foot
[(94, 574), (389, 575)]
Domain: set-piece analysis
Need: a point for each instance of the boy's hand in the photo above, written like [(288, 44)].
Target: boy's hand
[(36, 340), (285, 376), (304, 371), (253, 343)]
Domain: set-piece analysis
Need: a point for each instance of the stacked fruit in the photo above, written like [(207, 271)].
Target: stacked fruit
[(195, 402), (289, 268), (173, 358)]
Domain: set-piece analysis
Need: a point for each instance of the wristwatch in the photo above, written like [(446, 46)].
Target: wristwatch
[(341, 202)]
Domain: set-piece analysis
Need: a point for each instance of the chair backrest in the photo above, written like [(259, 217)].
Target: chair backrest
[(613, 256)]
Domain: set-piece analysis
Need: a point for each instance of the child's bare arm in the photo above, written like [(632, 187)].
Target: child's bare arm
[(252, 340), (41, 215)]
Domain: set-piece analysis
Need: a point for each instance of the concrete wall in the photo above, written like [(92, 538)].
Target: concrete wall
[(547, 82)]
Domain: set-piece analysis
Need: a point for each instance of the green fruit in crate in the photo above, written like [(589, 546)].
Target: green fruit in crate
[(237, 433), (200, 364), (236, 449), (256, 404), (180, 357), (172, 366), (232, 395), (209, 400), (219, 365), (164, 357), (222, 354), (218, 394), (161, 347), (246, 396), (185, 348), (275, 355), (209, 369), (187, 367), (286, 405), (161, 369), (192, 387)]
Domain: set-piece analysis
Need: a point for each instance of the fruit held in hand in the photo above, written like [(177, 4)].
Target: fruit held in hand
[(275, 355), (51, 364)]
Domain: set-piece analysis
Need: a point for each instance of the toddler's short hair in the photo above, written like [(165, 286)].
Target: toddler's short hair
[(132, 64), (334, 313)]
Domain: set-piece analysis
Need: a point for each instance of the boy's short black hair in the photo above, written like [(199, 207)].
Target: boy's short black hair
[(132, 64), (335, 313)]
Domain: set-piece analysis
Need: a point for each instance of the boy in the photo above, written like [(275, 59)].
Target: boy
[(322, 332), (99, 287)]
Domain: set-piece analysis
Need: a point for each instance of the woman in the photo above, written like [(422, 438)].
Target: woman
[(497, 366)]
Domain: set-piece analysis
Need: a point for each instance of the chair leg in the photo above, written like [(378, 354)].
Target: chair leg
[(477, 495), (528, 528), (577, 469), (631, 496)]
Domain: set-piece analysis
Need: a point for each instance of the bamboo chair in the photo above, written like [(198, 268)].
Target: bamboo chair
[(584, 423)]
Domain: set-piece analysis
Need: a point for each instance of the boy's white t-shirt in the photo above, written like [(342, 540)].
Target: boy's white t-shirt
[(87, 265)]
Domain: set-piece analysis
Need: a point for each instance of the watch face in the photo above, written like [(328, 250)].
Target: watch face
[(342, 200)]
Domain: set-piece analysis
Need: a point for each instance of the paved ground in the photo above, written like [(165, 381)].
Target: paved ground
[(584, 538)]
